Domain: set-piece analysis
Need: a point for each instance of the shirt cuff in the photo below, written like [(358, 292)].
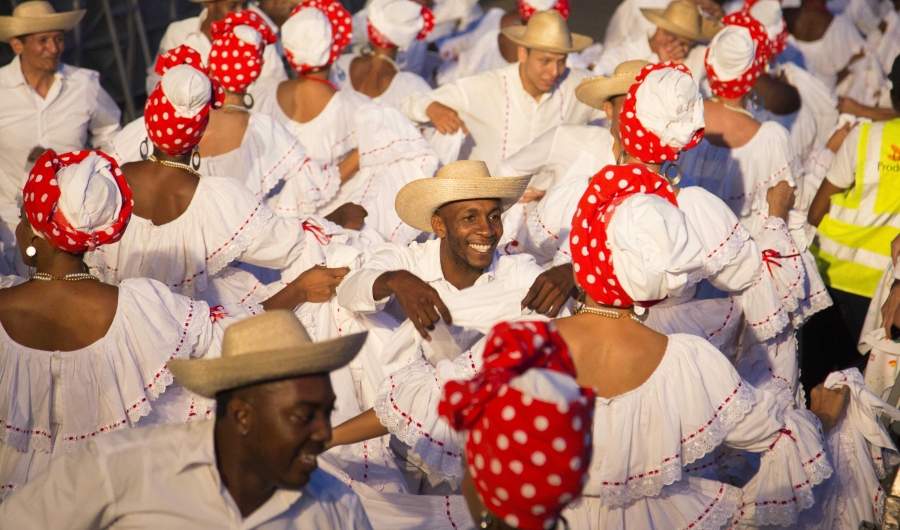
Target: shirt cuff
[(355, 292)]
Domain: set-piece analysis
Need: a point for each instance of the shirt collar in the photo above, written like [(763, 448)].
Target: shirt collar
[(11, 75), (199, 446), (431, 271)]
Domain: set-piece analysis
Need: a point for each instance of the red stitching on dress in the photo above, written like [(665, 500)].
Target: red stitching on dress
[(724, 324), (291, 150), (708, 509), (716, 414), (722, 244), (388, 145), (449, 517), (40, 433), (505, 116), (772, 177), (233, 237), (410, 421), (641, 475)]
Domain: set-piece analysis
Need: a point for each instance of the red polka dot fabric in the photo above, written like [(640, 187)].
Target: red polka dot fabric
[(379, 39), (777, 44), (743, 84), (41, 197), (528, 458), (591, 256), (637, 140), (341, 32), (527, 10), (232, 61), (169, 131)]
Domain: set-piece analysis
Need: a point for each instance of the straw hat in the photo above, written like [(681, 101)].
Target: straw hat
[(682, 18), (37, 17), (465, 180), (272, 345), (547, 31), (595, 91)]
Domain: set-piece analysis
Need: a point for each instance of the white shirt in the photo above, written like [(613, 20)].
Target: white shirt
[(189, 32), (109, 484), (500, 115), (76, 108), (638, 47)]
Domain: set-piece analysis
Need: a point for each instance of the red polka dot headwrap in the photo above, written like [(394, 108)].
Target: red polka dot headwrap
[(234, 61), (528, 9), (588, 239), (177, 111), (736, 84), (527, 454), (395, 32), (89, 187), (298, 45), (678, 116), (772, 19)]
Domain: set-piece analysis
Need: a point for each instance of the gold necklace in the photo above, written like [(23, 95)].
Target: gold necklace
[(608, 313), (239, 108), (76, 277), (745, 112), (174, 165)]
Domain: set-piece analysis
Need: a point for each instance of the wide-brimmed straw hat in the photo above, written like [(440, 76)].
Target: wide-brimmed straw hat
[(595, 91), (37, 17), (465, 180), (682, 18), (266, 347), (547, 31)]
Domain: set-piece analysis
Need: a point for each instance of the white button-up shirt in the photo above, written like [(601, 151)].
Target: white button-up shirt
[(166, 477), (190, 32), (75, 110), (500, 115)]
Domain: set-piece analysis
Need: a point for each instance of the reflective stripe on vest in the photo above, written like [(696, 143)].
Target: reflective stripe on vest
[(854, 243)]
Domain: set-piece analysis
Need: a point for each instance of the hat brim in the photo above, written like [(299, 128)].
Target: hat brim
[(417, 201), (16, 27), (597, 91), (517, 35), (656, 16), (207, 377)]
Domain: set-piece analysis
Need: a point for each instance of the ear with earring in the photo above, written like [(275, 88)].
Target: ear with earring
[(195, 158)]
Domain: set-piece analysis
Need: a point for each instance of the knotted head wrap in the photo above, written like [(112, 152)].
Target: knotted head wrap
[(769, 14), (528, 443), (628, 221), (398, 23), (177, 111), (662, 116), (236, 58), (736, 56), (315, 34), (527, 8), (77, 201)]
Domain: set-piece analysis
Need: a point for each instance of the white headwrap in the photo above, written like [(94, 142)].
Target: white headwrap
[(731, 52), (307, 35), (399, 20), (90, 198), (542, 5), (768, 13), (653, 249), (187, 89), (248, 34), (669, 105)]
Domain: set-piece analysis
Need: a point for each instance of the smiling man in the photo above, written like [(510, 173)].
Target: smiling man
[(462, 205), (507, 108), (254, 467)]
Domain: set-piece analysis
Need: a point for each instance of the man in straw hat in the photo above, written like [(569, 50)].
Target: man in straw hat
[(462, 205), (46, 105), (253, 467), (679, 27), (507, 108), (196, 33)]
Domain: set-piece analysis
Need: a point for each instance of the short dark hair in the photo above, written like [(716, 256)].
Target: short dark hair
[(222, 400), (894, 78)]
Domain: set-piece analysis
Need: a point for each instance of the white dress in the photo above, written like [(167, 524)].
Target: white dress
[(392, 152), (825, 57), (402, 85), (53, 401)]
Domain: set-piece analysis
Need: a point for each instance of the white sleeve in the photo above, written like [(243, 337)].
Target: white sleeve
[(355, 292), (843, 171), (453, 95), (531, 158), (104, 122)]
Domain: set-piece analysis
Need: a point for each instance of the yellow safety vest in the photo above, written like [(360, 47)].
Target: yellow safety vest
[(854, 240)]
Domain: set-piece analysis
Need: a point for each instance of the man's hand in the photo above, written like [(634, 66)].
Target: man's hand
[(319, 284), (445, 119), (348, 215), (837, 139), (828, 405), (419, 301), (532, 194), (35, 154), (672, 51), (550, 290), (889, 309), (781, 199)]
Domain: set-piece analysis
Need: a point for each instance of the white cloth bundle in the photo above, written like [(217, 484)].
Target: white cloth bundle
[(669, 105), (307, 35), (768, 13), (399, 20), (89, 196), (731, 52), (187, 89), (248, 34)]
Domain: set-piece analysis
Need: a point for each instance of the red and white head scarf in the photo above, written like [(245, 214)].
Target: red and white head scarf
[(77, 201), (628, 220), (236, 58), (527, 8), (769, 14), (528, 443), (316, 34), (662, 114), (736, 56), (177, 111), (398, 23)]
